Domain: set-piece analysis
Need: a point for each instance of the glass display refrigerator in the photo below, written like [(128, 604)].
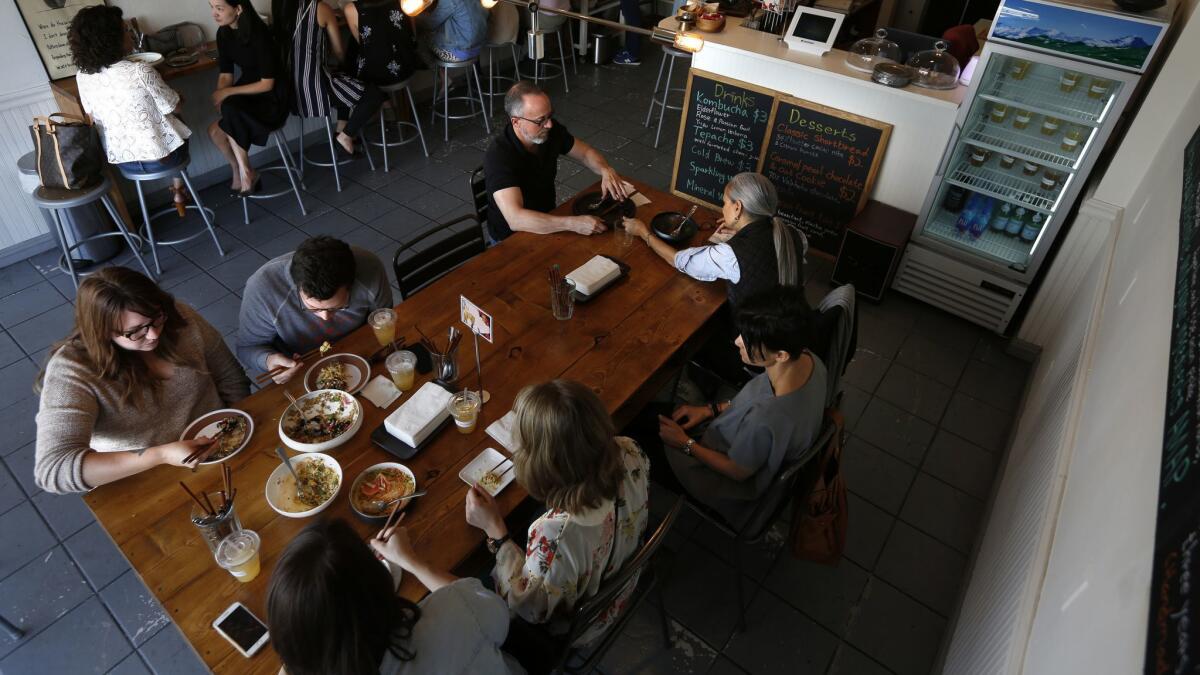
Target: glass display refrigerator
[(1044, 97)]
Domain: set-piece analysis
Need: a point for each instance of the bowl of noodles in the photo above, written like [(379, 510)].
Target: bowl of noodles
[(320, 480), (320, 421), (232, 428), (372, 494)]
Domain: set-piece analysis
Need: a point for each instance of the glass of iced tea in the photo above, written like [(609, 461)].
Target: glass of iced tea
[(402, 366), (383, 322), (238, 553), (464, 408)]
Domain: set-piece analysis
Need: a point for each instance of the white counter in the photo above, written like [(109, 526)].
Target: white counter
[(922, 118)]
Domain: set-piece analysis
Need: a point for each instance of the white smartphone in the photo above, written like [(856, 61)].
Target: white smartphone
[(243, 630)]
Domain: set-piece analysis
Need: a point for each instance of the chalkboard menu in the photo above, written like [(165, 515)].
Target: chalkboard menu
[(1173, 637), (823, 162), (47, 22), (722, 135)]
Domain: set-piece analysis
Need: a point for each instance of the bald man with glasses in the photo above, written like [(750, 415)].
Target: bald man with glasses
[(522, 162), (320, 292)]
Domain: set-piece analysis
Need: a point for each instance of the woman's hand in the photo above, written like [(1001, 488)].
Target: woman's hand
[(219, 96), (671, 433), (394, 546), (175, 453), (483, 513), (691, 415), (636, 227)]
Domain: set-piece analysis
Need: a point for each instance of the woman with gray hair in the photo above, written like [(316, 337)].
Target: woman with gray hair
[(755, 249)]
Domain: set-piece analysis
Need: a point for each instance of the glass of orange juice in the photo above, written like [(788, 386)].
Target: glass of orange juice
[(383, 322), (402, 366), (238, 553), (464, 408)]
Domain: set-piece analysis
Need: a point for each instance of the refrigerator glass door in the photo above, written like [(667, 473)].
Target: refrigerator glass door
[(1023, 144)]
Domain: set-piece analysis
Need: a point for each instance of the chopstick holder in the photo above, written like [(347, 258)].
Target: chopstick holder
[(417, 417)]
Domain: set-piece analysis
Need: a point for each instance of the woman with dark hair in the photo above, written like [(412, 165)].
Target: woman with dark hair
[(257, 103), (453, 30), (332, 608), (134, 110), (387, 42), (117, 391), (773, 419)]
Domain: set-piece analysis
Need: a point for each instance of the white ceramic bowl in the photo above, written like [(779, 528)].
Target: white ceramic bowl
[(206, 425), (148, 58), (275, 486), (351, 403), (359, 479), (357, 369)]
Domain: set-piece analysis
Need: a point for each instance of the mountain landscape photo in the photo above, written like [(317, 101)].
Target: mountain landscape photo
[(1065, 30)]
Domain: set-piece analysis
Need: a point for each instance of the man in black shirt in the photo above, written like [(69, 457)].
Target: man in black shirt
[(522, 161)]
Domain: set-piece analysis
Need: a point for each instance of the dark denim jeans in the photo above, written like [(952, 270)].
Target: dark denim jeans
[(178, 157)]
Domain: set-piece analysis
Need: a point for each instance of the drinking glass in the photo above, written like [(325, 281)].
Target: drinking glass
[(402, 367), (626, 236), (214, 528), (383, 322), (562, 300), (464, 408), (238, 554)]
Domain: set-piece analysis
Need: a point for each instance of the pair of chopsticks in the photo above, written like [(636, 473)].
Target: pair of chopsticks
[(227, 495), (267, 376), (203, 453), (454, 336), (558, 285), (498, 465)]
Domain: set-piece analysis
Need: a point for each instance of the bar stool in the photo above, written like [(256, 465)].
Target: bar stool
[(391, 90), (442, 70), (672, 54), (288, 167), (493, 78), (333, 162), (559, 63), (138, 177), (55, 199)]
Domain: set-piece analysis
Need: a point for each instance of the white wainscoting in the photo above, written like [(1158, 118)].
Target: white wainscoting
[(20, 220)]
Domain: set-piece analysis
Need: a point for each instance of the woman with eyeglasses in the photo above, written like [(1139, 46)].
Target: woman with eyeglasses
[(137, 367)]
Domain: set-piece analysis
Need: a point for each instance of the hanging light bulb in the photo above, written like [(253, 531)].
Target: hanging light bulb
[(688, 42), (488, 4), (414, 7)]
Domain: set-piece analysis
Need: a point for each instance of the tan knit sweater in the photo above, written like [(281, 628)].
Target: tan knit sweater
[(80, 412)]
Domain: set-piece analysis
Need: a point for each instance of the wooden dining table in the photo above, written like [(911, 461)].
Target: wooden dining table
[(625, 344)]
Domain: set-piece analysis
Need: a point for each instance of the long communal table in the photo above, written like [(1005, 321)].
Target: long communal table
[(624, 344)]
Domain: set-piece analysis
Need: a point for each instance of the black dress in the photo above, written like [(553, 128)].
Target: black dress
[(250, 118), (387, 51)]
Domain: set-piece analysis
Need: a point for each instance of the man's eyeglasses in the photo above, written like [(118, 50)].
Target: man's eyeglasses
[(539, 122), (138, 334), (315, 310)]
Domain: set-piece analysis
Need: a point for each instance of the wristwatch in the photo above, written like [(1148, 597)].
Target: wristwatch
[(495, 544), (687, 447)]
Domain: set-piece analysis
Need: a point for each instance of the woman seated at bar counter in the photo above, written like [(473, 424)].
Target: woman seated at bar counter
[(774, 418), (127, 100), (332, 608), (257, 103), (596, 487), (137, 367), (387, 51)]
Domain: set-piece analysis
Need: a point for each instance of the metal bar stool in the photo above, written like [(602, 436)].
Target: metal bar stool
[(383, 143), (442, 71), (288, 166), (493, 78), (138, 177), (333, 162), (55, 199), (558, 63), (672, 54)]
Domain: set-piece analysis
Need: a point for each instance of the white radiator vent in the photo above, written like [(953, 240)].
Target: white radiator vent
[(957, 288)]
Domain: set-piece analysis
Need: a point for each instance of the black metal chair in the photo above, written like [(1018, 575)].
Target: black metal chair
[(569, 659), (442, 256), (768, 509)]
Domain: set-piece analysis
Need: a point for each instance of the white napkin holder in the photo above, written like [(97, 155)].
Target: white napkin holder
[(594, 275), (420, 415)]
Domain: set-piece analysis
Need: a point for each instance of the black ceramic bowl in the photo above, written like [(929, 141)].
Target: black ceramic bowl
[(666, 227), (596, 204)]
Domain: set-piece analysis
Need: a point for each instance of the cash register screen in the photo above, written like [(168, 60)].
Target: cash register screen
[(813, 27)]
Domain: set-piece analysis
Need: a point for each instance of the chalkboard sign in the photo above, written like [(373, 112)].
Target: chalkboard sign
[(721, 136), (48, 22), (1173, 636), (823, 161)]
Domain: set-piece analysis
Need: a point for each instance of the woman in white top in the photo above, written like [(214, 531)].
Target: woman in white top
[(127, 100)]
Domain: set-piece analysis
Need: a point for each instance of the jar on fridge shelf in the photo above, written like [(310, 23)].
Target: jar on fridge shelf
[(977, 156), (1050, 180), (1071, 139), (1099, 87), (955, 199), (1007, 161), (1068, 81), (1050, 125), (1017, 223), (1029, 168), (1020, 68), (999, 112), (1021, 118)]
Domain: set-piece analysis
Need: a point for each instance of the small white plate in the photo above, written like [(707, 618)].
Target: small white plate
[(479, 466), (358, 372), (148, 58)]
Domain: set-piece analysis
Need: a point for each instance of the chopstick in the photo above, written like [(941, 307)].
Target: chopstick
[(206, 509), (203, 453), (425, 341), (265, 377)]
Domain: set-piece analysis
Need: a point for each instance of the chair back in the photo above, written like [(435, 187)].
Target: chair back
[(783, 487), (837, 337), (589, 610), (415, 272), (479, 195)]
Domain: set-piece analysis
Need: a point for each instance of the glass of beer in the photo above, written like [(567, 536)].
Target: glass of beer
[(402, 366), (464, 408), (238, 553), (383, 322)]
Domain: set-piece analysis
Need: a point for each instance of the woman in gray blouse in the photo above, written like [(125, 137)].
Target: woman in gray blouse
[(772, 420), (134, 371)]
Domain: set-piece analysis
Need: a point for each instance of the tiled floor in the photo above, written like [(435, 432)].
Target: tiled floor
[(929, 400)]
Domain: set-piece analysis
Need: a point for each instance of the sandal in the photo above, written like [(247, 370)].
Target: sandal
[(180, 200)]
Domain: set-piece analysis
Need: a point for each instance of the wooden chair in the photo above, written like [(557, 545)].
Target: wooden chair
[(569, 659), (442, 256), (792, 477)]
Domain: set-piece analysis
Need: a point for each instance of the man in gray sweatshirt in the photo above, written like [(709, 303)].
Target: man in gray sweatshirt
[(323, 290)]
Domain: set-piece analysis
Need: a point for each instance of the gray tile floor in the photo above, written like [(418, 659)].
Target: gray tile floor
[(929, 400)]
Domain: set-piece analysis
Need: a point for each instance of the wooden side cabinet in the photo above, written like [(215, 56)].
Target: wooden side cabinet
[(871, 249)]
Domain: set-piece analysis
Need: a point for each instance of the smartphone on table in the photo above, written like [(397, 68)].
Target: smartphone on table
[(243, 630)]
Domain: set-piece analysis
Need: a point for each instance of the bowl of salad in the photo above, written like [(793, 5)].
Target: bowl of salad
[(320, 421)]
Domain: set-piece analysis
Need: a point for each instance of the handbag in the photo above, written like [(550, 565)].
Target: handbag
[(68, 153), (821, 517)]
